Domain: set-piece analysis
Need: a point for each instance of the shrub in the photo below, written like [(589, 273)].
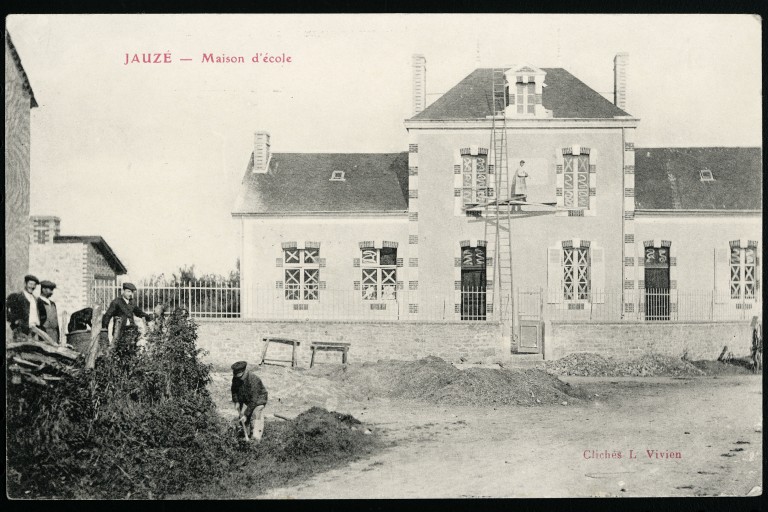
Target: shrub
[(140, 424)]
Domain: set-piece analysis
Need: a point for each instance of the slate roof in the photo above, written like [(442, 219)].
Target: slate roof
[(565, 95), (17, 61), (668, 178), (101, 245), (300, 182)]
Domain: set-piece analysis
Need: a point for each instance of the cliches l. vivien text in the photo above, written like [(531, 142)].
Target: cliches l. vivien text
[(632, 454)]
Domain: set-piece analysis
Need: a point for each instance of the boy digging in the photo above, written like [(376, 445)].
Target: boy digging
[(250, 397)]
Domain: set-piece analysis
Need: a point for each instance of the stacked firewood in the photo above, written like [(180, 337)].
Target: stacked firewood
[(45, 363), (40, 363)]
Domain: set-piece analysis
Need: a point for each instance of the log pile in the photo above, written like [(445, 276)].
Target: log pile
[(40, 363), (43, 363)]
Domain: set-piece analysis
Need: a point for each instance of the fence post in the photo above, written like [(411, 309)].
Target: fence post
[(189, 297)]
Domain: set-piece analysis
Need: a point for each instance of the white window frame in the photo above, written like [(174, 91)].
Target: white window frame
[(525, 97), (379, 282), (742, 272), (578, 177), (302, 274), (471, 181), (580, 275)]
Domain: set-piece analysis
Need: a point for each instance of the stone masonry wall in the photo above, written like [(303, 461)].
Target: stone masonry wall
[(228, 341), (628, 340), (64, 264)]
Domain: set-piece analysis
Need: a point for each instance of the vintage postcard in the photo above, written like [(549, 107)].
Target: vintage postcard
[(383, 256)]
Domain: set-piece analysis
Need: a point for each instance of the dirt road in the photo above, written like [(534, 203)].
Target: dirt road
[(705, 431)]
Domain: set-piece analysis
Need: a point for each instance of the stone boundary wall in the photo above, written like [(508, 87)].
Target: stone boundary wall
[(628, 340), (228, 340)]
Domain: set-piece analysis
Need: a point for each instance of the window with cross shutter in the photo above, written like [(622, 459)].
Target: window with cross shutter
[(743, 263), (576, 273), (576, 181), (302, 274), (474, 175), (379, 273)]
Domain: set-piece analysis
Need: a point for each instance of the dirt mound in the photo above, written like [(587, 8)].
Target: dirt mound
[(651, 365), (434, 380), (740, 366)]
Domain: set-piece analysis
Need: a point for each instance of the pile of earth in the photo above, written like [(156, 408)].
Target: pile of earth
[(651, 365), (735, 366), (434, 380), (290, 451)]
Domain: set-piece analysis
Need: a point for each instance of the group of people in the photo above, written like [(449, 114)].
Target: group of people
[(34, 316)]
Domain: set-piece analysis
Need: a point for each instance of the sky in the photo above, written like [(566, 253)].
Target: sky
[(150, 156)]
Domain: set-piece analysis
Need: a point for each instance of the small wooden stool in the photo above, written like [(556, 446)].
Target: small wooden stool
[(330, 346), (283, 341)]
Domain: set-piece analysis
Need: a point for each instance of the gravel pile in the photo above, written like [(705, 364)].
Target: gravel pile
[(652, 365), (434, 380)]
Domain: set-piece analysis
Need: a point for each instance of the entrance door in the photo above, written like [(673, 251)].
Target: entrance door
[(472, 294), (529, 311), (657, 283)]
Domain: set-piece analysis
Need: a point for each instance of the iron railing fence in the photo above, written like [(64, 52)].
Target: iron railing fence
[(224, 300), (202, 299)]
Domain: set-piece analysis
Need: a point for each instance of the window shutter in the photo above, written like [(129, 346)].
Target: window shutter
[(598, 275), (554, 275), (722, 275)]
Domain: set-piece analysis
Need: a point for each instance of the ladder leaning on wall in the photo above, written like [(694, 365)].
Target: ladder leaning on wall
[(497, 212)]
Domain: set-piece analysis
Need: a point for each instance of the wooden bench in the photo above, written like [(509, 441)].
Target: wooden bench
[(330, 346), (282, 341)]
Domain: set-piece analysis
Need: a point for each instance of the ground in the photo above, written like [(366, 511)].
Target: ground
[(714, 424)]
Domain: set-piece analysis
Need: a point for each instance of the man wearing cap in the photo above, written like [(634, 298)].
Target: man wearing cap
[(123, 311), (23, 313), (51, 323), (250, 397)]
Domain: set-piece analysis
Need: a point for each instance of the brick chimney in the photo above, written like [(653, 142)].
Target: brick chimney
[(261, 153), (44, 228), (419, 66), (620, 63)]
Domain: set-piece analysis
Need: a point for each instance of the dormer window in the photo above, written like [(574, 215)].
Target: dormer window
[(706, 175), (337, 176), (526, 84), (526, 96)]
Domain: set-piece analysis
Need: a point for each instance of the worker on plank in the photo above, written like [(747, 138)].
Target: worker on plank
[(250, 397)]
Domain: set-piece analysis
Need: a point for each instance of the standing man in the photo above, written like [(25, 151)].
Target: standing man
[(123, 311), (518, 184), (22, 312), (250, 397), (51, 323)]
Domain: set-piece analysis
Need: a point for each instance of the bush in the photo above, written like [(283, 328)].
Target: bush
[(140, 424)]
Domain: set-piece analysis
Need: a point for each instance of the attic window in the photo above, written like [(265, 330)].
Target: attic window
[(337, 176), (706, 175)]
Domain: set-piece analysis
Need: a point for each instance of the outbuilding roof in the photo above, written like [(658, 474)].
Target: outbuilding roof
[(100, 245), (564, 94), (301, 183), (671, 178)]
